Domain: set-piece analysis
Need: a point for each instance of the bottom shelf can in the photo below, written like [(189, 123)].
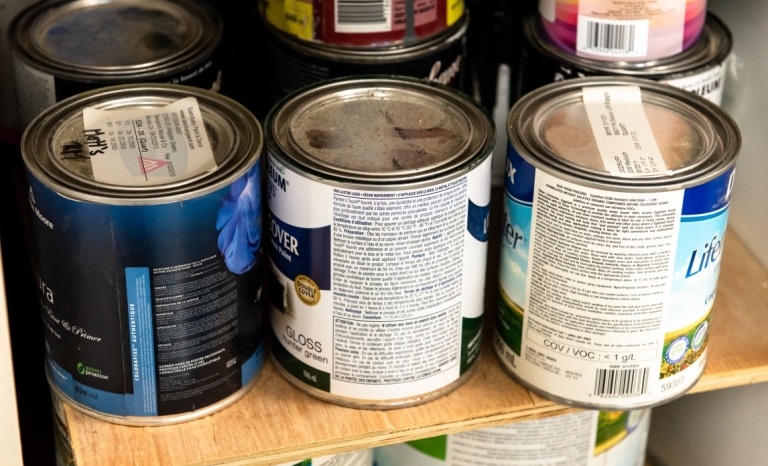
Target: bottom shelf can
[(588, 438), (352, 458)]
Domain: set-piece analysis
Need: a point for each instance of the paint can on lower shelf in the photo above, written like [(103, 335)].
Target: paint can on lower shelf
[(605, 438), (617, 194), (702, 69), (352, 458), (145, 204), (378, 197)]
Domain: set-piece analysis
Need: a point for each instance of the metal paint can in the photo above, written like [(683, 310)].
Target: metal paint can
[(146, 214), (66, 47), (615, 30), (617, 196), (604, 438), (352, 23), (352, 458), (297, 64), (378, 198), (701, 69)]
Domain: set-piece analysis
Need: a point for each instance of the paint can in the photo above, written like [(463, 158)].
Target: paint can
[(617, 196), (378, 198), (701, 69), (297, 64), (352, 23), (146, 214), (352, 458), (615, 30), (605, 438), (66, 47)]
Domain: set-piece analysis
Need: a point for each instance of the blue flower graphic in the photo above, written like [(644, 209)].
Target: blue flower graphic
[(239, 220)]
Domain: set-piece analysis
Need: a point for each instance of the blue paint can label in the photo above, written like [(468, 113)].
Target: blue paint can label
[(606, 296), (150, 310)]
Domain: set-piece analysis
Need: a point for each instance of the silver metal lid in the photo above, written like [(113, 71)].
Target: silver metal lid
[(550, 128), (381, 130), (373, 54), (234, 134), (712, 49), (114, 37)]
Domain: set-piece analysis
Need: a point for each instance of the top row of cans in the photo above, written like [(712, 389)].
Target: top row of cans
[(599, 29)]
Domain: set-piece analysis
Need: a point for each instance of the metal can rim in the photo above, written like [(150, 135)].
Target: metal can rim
[(245, 151), (482, 149), (203, 47), (721, 154), (703, 55), (384, 55)]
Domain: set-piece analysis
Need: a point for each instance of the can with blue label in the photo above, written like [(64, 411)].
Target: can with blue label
[(146, 209), (378, 203), (617, 193)]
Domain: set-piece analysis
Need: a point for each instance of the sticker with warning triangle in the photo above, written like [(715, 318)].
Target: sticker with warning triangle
[(147, 146)]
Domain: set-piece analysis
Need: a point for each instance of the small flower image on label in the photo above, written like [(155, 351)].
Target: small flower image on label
[(239, 222), (307, 289)]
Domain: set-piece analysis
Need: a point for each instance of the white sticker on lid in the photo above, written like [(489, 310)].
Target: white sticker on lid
[(622, 131), (148, 146)]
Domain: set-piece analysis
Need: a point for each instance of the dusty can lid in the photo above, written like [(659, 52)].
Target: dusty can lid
[(379, 130), (712, 49), (550, 128), (115, 37), (55, 146), (375, 54)]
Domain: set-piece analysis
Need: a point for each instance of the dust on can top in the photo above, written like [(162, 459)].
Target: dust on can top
[(145, 208), (614, 30), (379, 130), (352, 23), (617, 202), (186, 142), (65, 47), (700, 69), (378, 196)]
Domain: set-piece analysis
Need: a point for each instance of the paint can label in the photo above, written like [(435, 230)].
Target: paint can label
[(606, 296), (352, 458), (591, 438), (150, 310), (377, 295)]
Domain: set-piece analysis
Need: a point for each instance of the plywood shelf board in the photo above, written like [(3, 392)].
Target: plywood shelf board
[(275, 423)]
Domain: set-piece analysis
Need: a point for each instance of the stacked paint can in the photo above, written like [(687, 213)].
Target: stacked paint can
[(158, 321), (311, 42), (352, 458), (605, 438), (378, 230), (616, 204)]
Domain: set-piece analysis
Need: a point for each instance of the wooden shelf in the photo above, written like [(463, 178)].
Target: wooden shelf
[(275, 423)]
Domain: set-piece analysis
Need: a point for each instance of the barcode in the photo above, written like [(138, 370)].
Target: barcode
[(362, 12), (618, 382), (611, 37)]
